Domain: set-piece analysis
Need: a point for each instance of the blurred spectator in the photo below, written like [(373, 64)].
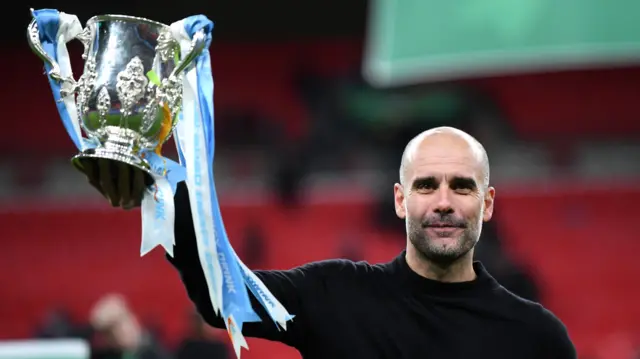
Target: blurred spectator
[(618, 345), (351, 246), (58, 324), (254, 247), (247, 129), (118, 334), (198, 344), (507, 272), (290, 171)]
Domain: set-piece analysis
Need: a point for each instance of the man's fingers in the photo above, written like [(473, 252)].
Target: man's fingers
[(124, 184), (138, 187), (90, 169), (107, 181)]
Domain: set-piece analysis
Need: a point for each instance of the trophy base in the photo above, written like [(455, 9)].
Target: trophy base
[(118, 147), (94, 156)]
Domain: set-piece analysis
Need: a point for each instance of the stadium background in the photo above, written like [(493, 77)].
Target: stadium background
[(307, 155)]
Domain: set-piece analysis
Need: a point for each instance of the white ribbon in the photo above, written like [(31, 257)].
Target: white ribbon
[(158, 216), (69, 28), (274, 308)]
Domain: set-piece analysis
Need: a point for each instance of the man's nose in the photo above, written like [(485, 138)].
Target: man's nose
[(443, 204)]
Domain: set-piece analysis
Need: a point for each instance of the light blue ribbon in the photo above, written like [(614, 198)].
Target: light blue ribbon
[(171, 170), (235, 297), (236, 276), (48, 21)]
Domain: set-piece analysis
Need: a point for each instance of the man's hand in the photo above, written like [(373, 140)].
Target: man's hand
[(122, 184)]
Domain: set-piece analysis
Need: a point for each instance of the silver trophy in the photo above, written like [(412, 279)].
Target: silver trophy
[(130, 92)]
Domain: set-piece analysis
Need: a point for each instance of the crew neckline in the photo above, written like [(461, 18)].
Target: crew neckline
[(416, 282)]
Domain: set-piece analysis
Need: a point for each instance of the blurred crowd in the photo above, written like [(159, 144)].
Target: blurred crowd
[(115, 332)]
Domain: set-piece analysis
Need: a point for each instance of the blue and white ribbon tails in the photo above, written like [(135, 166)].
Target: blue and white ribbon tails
[(55, 30), (226, 276)]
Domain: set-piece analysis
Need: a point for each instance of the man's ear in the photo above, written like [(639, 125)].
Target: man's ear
[(489, 199), (399, 198)]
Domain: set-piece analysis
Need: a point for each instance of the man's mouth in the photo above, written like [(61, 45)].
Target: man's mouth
[(444, 230), (444, 226)]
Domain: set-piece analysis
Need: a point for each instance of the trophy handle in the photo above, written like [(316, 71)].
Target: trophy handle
[(33, 37), (85, 38), (198, 43), (69, 84)]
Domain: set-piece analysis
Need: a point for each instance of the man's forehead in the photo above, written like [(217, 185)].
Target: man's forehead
[(444, 154), (445, 169)]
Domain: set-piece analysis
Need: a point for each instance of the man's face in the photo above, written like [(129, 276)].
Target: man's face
[(444, 199)]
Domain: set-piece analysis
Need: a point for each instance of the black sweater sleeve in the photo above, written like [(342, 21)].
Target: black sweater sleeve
[(298, 289), (555, 339)]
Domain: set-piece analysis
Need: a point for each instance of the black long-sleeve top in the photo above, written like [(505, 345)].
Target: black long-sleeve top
[(345, 309)]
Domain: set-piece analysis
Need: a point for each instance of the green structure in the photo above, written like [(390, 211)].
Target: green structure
[(412, 41)]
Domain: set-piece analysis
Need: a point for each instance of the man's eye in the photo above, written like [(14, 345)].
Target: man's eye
[(463, 190), (425, 187)]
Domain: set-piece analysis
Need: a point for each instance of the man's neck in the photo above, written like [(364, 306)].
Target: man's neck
[(459, 271)]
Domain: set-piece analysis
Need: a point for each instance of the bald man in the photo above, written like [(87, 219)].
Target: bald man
[(431, 301)]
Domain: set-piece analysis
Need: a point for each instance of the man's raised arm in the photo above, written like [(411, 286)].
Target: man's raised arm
[(297, 289)]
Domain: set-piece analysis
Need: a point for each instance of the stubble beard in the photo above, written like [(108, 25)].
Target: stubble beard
[(438, 253)]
